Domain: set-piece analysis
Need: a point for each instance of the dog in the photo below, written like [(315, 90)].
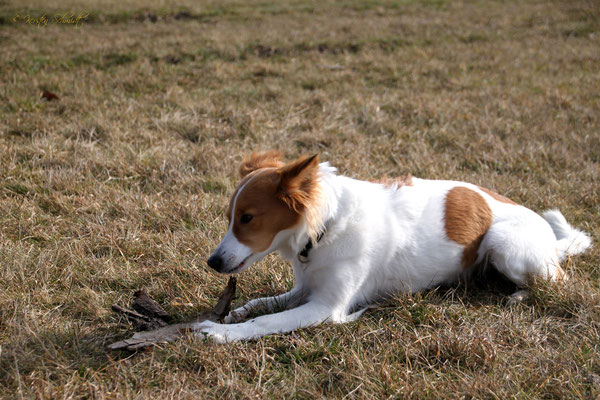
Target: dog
[(353, 242)]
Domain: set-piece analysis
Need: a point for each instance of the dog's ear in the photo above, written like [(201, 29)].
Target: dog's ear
[(298, 182), (266, 159)]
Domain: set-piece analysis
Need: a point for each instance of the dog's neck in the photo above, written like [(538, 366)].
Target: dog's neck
[(330, 191)]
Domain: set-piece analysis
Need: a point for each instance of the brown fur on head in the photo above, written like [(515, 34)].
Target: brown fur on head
[(266, 159), (276, 196), (298, 182)]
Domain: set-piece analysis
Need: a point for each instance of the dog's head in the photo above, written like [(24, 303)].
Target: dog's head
[(265, 209)]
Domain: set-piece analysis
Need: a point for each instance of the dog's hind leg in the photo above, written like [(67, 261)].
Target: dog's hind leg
[(518, 297), (522, 251)]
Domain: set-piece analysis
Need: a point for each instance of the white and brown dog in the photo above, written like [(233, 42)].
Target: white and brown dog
[(352, 242)]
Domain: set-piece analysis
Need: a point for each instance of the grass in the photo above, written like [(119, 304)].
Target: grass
[(122, 183)]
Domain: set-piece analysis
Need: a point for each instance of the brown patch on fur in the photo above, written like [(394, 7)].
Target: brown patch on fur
[(270, 214), (300, 190), (497, 196), (399, 181), (277, 199), (239, 186), (267, 159), (468, 218), (299, 182)]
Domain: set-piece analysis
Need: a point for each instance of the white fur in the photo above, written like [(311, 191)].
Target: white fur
[(571, 241), (231, 250), (382, 240)]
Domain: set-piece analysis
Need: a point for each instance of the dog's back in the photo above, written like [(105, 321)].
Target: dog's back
[(414, 236)]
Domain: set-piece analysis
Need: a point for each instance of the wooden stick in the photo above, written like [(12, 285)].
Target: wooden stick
[(168, 333)]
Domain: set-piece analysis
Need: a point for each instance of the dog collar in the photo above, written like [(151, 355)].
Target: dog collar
[(303, 254)]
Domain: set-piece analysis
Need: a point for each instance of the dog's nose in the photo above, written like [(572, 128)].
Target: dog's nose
[(215, 262)]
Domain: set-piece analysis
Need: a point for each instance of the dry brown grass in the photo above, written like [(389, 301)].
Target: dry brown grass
[(121, 184)]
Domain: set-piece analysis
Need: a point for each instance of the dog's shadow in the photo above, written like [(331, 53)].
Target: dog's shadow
[(484, 288)]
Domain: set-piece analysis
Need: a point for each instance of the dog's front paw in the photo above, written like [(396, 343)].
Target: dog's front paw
[(216, 332), (235, 316)]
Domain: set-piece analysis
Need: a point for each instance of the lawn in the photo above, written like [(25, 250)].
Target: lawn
[(121, 183)]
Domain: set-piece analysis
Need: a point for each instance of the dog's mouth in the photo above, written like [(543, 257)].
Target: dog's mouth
[(240, 265)]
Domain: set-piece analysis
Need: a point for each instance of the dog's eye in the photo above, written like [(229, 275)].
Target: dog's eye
[(246, 218)]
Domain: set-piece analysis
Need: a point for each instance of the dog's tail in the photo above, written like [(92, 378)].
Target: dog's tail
[(570, 241)]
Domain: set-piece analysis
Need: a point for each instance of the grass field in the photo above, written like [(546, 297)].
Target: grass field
[(121, 183)]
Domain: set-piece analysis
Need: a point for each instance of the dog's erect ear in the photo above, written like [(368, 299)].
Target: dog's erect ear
[(271, 158), (298, 182)]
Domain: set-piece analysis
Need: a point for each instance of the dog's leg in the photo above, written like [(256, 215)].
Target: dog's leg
[(518, 297), (355, 315), (308, 314), (265, 304), (522, 250)]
